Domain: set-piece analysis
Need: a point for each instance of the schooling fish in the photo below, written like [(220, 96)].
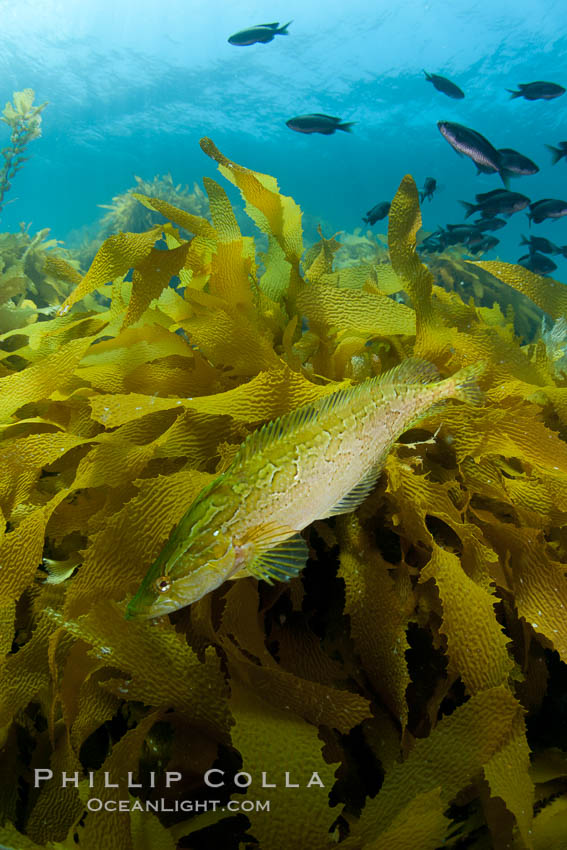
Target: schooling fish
[(497, 202), (487, 243), (540, 243), (321, 460), (377, 213), (547, 208), (444, 85), (318, 123), (537, 91), (538, 263), (261, 33), (472, 144), (489, 223), (557, 153), (515, 164), (429, 188)]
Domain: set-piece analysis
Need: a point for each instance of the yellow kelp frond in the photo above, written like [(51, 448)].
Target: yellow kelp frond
[(414, 662), (547, 293), (276, 215), (115, 257), (403, 223)]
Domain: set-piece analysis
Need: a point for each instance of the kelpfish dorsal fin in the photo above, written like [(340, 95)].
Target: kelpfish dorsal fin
[(355, 497), (281, 563), (414, 370)]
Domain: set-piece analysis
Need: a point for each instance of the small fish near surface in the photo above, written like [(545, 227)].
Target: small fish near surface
[(497, 202), (444, 85), (537, 263), (557, 153), (377, 213), (472, 144), (547, 208), (321, 460), (541, 244), (318, 123), (515, 164), (260, 34), (429, 187), (537, 91)]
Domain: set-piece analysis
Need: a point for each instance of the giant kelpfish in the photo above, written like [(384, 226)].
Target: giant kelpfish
[(318, 461)]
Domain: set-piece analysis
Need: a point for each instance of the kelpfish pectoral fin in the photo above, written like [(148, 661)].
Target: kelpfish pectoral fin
[(284, 561), (355, 497)]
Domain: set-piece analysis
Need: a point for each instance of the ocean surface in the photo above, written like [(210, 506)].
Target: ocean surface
[(133, 86)]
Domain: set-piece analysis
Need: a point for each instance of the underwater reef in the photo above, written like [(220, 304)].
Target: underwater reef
[(417, 665)]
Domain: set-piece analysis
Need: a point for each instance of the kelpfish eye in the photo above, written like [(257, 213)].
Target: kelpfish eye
[(162, 584)]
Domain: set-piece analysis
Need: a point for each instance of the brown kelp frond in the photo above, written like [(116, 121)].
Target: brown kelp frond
[(393, 693)]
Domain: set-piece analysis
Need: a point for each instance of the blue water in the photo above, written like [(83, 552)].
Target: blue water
[(133, 86)]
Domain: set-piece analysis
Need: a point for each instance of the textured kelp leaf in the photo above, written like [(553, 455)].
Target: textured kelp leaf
[(507, 774), (475, 731), (25, 676), (267, 396), (61, 269), (369, 314), (421, 824), (242, 622), (148, 831), (476, 646), (151, 275), (537, 581), (41, 379), (22, 460), (20, 554), (193, 223), (121, 552), (378, 607), (162, 670), (547, 293), (230, 339), (318, 261), (114, 258), (403, 223), (13, 840), (112, 830), (57, 808), (299, 817), (276, 215), (231, 266), (316, 703), (549, 826)]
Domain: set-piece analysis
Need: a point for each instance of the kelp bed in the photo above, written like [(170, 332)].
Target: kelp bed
[(417, 665)]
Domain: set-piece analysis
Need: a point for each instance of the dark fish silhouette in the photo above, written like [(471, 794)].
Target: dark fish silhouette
[(444, 85), (429, 187), (497, 202), (541, 244), (547, 208), (538, 263), (377, 213), (318, 123), (537, 91), (472, 144), (557, 153), (487, 243), (483, 224), (515, 164), (456, 234), (260, 34)]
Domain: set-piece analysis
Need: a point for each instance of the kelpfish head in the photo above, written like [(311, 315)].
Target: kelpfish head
[(173, 584), (197, 558)]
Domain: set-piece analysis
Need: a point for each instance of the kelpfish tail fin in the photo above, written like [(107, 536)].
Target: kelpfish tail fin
[(514, 94), (467, 389), (505, 177), (284, 561), (428, 76), (470, 208), (346, 125)]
